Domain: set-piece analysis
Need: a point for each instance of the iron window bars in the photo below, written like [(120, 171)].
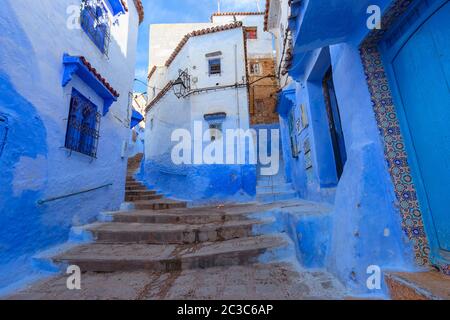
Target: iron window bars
[(83, 126), (95, 22), (215, 66)]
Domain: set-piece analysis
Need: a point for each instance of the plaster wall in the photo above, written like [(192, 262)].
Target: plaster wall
[(260, 47), (365, 223), (34, 163), (207, 183)]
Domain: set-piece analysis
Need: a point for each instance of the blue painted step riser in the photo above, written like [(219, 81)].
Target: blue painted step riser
[(274, 189)]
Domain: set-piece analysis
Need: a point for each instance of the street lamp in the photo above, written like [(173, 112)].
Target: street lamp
[(182, 84)]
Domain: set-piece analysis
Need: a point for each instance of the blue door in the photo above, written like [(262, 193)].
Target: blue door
[(421, 75)]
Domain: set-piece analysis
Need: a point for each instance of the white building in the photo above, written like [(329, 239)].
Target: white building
[(65, 115), (212, 60), (276, 21)]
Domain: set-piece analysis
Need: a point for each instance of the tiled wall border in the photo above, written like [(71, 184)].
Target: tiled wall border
[(394, 146)]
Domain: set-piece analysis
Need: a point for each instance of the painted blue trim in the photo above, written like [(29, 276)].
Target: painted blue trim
[(74, 65), (216, 117), (116, 7), (286, 100), (388, 54), (136, 118)]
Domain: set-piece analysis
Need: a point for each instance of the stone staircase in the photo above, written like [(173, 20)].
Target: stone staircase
[(162, 239), (224, 252), (176, 240), (271, 189), (142, 197)]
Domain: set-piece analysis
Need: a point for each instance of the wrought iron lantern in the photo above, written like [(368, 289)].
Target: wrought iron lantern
[(182, 85)]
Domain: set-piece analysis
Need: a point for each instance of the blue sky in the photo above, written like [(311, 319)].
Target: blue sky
[(180, 11)]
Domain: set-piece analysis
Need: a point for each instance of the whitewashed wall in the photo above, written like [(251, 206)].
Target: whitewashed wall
[(202, 183), (261, 47), (31, 54), (171, 113), (277, 23)]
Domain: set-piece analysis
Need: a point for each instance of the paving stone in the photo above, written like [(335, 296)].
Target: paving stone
[(279, 281)]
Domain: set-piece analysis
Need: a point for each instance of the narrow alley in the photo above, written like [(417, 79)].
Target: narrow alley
[(166, 251), (224, 150)]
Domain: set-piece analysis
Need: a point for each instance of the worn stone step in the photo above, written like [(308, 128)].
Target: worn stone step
[(136, 188), (130, 198), (139, 192), (174, 233), (270, 182), (274, 197), (192, 217), (430, 285), (99, 257), (134, 184), (161, 204)]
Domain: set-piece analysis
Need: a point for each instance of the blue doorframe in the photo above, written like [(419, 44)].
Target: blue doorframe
[(390, 46)]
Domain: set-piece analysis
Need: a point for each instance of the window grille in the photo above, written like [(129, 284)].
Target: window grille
[(215, 66), (95, 22), (255, 68), (215, 131), (83, 126)]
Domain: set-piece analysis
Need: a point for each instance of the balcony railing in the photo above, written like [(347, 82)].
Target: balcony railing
[(96, 23)]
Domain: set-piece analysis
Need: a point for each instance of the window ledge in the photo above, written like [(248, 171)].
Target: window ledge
[(118, 7), (83, 69)]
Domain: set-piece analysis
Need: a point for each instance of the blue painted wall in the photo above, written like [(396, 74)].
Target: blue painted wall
[(201, 184), (364, 226), (33, 162)]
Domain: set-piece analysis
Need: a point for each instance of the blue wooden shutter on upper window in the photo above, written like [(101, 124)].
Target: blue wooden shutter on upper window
[(83, 125)]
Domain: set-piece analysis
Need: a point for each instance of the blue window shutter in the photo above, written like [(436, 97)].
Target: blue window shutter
[(83, 125)]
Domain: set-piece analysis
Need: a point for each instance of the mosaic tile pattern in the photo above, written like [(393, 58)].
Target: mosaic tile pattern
[(394, 147)]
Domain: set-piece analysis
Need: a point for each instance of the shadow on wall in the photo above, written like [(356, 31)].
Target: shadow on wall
[(24, 144), (22, 232)]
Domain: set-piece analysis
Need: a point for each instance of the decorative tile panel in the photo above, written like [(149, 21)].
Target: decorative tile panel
[(394, 146)]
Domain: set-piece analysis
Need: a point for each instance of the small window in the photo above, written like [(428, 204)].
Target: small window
[(259, 105), (252, 33), (95, 22), (255, 68), (83, 125), (215, 130), (3, 132), (215, 66)]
